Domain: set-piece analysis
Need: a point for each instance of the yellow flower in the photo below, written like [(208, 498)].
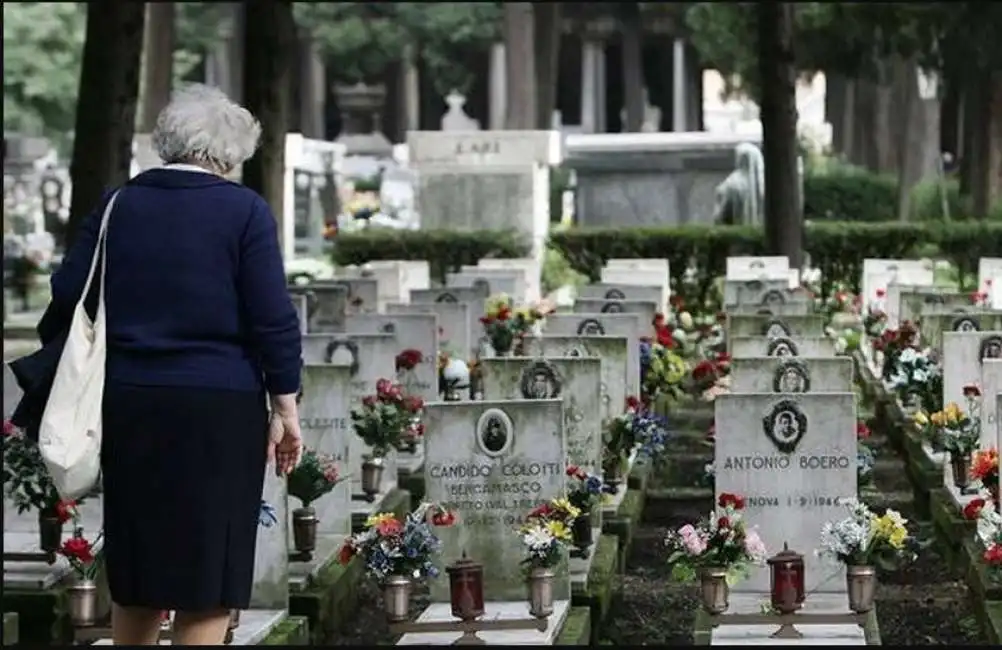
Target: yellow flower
[(378, 518), (676, 370), (952, 413), (563, 505), (938, 418), (920, 418), (558, 529)]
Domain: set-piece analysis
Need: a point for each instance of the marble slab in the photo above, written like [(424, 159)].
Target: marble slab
[(255, 626), (301, 574), (493, 611), (822, 634), (366, 508)]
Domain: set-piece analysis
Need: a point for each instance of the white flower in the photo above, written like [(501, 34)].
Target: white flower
[(908, 355)]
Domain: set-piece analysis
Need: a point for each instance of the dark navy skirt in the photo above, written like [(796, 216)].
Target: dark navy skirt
[(183, 470)]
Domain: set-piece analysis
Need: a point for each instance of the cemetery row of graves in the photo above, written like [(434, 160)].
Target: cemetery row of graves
[(483, 466)]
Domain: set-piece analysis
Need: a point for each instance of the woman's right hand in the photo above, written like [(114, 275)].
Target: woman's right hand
[(285, 440)]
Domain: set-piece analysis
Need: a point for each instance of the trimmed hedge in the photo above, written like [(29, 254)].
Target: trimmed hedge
[(850, 195), (445, 250), (836, 248)]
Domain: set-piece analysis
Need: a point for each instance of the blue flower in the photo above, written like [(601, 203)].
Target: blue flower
[(267, 517), (593, 484)]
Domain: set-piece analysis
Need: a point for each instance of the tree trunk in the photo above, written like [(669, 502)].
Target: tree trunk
[(949, 121), (548, 19), (995, 143), (520, 66), (312, 91), (783, 221), (908, 136), (106, 104), (633, 65), (158, 63), (980, 95), (269, 57)]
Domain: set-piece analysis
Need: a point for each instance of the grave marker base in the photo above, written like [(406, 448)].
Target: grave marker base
[(580, 567), (501, 616), (302, 574)]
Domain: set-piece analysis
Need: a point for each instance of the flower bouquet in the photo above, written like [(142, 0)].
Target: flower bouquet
[(315, 476), (915, 375), (505, 326), (546, 535), (396, 552), (707, 375), (381, 423), (662, 372), (863, 541), (83, 558), (619, 438), (718, 550), (958, 432), (890, 343), (985, 468), (408, 360), (586, 491), (27, 484)]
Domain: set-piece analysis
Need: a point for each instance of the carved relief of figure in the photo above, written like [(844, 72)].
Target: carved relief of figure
[(738, 200)]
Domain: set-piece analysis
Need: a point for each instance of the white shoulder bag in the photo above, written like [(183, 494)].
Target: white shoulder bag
[(69, 436)]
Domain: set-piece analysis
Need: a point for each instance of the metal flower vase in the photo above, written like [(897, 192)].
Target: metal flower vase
[(960, 465), (861, 584), (713, 590), (82, 603), (581, 535), (541, 592), (397, 598), (304, 531), (612, 474), (372, 475), (50, 532)]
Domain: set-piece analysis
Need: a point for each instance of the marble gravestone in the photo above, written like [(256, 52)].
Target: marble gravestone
[(793, 458), (491, 463), (761, 294), (989, 268), (413, 332), (454, 325), (878, 274), (775, 326), (991, 385), (326, 306), (963, 353), (741, 268), (473, 295), (933, 326), (509, 283), (632, 326), (646, 309), (608, 291), (914, 302), (575, 381), (641, 276), (794, 308), (369, 357), (394, 278), (530, 266), (499, 277), (326, 427), (794, 346), (791, 375), (612, 350), (270, 589), (362, 293)]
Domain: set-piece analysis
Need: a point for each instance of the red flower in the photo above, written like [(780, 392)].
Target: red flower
[(504, 313), (408, 359), (486, 320), (728, 500), (703, 369), (723, 358), (345, 554), (79, 549), (443, 518), (571, 470), (979, 297), (8, 428), (389, 528), (632, 403), (862, 431), (659, 320), (677, 302), (413, 404), (540, 511), (723, 524), (881, 293), (973, 509), (66, 510), (972, 390), (369, 401), (993, 555), (417, 429), (664, 336)]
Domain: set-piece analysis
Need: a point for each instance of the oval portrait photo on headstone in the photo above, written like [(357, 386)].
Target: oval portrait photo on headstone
[(791, 376), (342, 352), (781, 347), (615, 294), (576, 351), (966, 324), (775, 328), (785, 425), (590, 327), (540, 380), (446, 297), (773, 297), (495, 432), (991, 347), (612, 308), (754, 285)]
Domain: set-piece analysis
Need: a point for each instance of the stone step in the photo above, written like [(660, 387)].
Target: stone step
[(255, 626)]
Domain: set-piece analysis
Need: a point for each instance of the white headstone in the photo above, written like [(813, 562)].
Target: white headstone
[(793, 458), (991, 385), (758, 268), (454, 333), (530, 266), (879, 273), (962, 357), (791, 375), (794, 346), (413, 332)]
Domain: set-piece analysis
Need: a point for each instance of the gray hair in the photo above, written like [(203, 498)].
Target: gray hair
[(201, 125)]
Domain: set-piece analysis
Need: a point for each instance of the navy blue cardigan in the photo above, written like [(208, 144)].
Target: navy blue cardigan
[(195, 289)]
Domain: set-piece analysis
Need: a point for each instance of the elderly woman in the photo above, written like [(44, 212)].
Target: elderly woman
[(200, 328)]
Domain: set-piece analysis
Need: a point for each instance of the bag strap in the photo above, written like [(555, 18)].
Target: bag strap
[(99, 252)]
